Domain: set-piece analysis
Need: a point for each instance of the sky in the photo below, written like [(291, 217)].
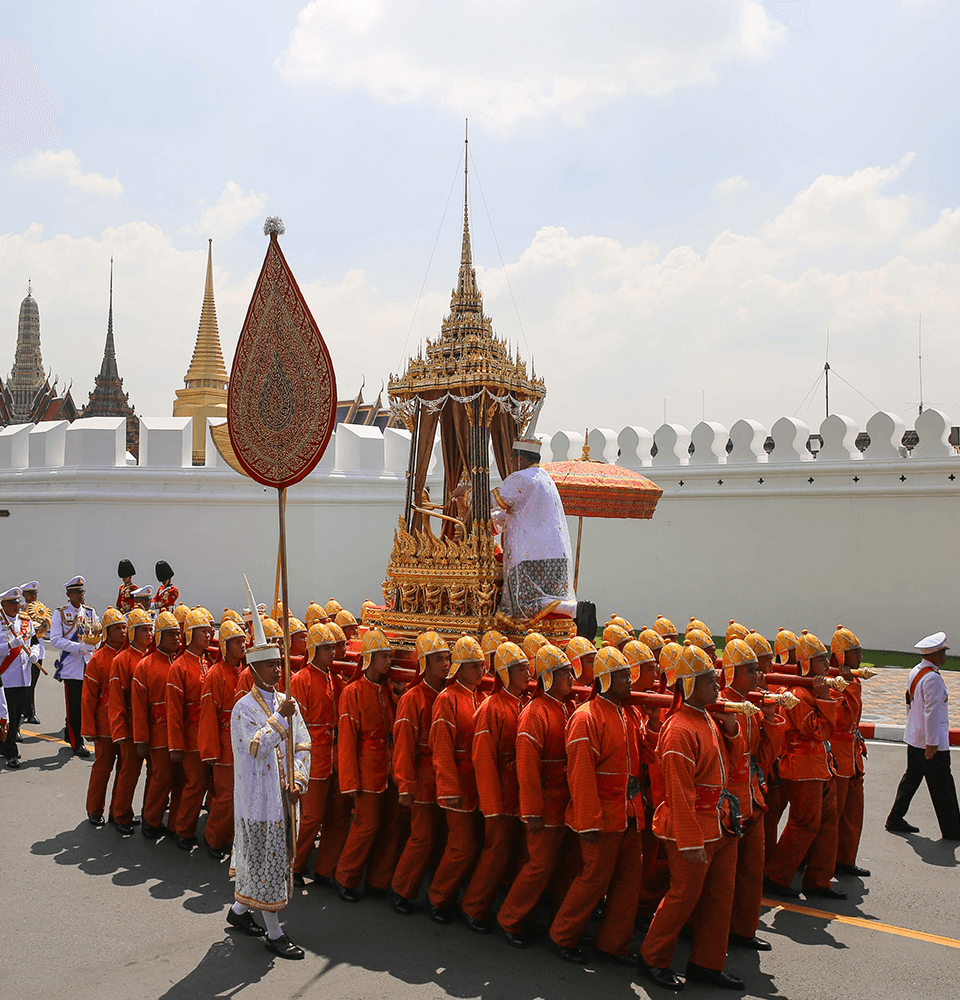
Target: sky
[(674, 207)]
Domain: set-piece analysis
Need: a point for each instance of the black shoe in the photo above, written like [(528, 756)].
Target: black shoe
[(185, 843), (348, 895), (32, 720), (901, 826), (852, 870), (575, 955), (400, 904), (514, 940), (81, 751), (244, 922), (828, 893), (125, 828), (298, 879), (374, 893), (666, 978), (631, 958), (480, 925), (780, 890), (757, 944), (153, 832), (217, 853), (439, 914), (953, 835), (95, 819), (13, 762), (283, 947), (716, 978), (325, 881)]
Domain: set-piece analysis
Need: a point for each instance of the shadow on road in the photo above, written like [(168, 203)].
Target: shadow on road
[(940, 853), (226, 969)]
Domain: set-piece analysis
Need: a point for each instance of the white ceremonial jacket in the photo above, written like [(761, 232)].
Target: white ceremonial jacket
[(928, 718), (19, 649), (65, 636)]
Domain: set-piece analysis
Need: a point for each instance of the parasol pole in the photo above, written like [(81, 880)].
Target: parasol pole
[(276, 586), (576, 564), (282, 501)]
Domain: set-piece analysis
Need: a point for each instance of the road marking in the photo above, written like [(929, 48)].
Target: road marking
[(49, 739), (870, 925)]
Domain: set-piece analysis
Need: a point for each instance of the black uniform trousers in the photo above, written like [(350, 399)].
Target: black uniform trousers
[(18, 701), (73, 695), (936, 771)]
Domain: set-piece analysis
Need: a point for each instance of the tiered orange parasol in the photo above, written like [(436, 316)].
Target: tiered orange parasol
[(596, 489)]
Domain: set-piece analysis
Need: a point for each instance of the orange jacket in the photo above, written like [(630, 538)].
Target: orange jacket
[(603, 753), (809, 725), (495, 754), (846, 741), (694, 764), (184, 690), (412, 756), (149, 700), (118, 706), (451, 740), (365, 737), (216, 703), (316, 692), (755, 748), (542, 760), (94, 711)]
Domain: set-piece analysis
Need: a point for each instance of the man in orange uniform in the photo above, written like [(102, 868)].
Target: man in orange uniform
[(701, 853), (95, 716), (140, 635), (666, 628), (365, 743), (785, 654), (543, 789), (762, 738), (489, 643), (217, 698), (849, 750), (808, 784), (615, 635), (184, 695), (413, 769), (451, 742), (317, 692), (495, 765), (603, 768), (149, 709)]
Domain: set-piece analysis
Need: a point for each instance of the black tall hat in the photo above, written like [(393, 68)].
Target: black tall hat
[(126, 568), (164, 571)]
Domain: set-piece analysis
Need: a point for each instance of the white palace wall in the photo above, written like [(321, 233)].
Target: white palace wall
[(870, 540)]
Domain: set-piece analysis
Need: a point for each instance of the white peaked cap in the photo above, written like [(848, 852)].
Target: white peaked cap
[(13, 594), (261, 649), (143, 592), (932, 643), (32, 585)]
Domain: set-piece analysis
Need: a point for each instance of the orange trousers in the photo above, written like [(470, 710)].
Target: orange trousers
[(322, 811), (413, 863), (161, 773), (373, 837), (776, 801), (611, 867), (544, 854), (745, 916), (811, 833), (106, 759), (701, 891), (501, 834), (655, 879), (849, 818), (126, 783), (191, 783), (463, 846), (219, 828)]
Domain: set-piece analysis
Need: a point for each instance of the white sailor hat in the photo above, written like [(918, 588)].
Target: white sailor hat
[(13, 594), (143, 592), (32, 585), (77, 583), (932, 643)]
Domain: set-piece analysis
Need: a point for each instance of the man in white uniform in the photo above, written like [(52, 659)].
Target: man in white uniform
[(927, 736), (19, 650), (537, 559), (264, 804), (71, 624)]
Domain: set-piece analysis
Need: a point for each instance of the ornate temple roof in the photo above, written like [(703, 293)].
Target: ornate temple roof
[(207, 369)]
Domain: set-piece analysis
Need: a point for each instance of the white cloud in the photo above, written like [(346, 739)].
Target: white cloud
[(64, 167), (233, 210), (732, 184), (846, 211), (943, 234), (507, 63), (28, 107)]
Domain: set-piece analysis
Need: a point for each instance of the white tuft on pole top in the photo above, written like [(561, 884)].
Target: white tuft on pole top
[(274, 224)]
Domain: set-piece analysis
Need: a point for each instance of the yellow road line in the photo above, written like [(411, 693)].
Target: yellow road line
[(870, 925), (49, 739)]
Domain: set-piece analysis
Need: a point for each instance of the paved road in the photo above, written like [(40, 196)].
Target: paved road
[(90, 915)]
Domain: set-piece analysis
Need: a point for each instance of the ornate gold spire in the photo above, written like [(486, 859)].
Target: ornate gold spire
[(207, 369), (205, 384)]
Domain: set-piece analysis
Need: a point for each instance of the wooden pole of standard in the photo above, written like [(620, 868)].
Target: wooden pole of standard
[(282, 499), (576, 564)]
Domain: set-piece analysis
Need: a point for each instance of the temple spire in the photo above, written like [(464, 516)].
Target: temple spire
[(466, 296), (206, 366), (108, 367)]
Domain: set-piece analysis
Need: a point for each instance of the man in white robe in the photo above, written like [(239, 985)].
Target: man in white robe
[(265, 803), (537, 559)]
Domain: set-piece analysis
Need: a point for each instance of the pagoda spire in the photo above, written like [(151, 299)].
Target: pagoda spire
[(26, 376), (206, 366), (108, 367), (466, 296)]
